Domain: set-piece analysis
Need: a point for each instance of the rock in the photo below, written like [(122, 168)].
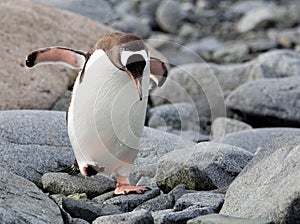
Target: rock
[(194, 80), (179, 116), (33, 143), (256, 18), (231, 52), (268, 188), (170, 217), (63, 183), (223, 126), (261, 45), (205, 46), (200, 200), (179, 191), (204, 166), (38, 88), (154, 144), (161, 202), (267, 102), (222, 219), (129, 202), (87, 210), (63, 103), (78, 221), (131, 24), (169, 16), (276, 64), (242, 7), (103, 14), (103, 197), (135, 217), (286, 38), (253, 140), (22, 202)]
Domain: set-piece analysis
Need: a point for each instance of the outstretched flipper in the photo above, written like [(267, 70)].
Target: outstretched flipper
[(74, 59), (158, 72)]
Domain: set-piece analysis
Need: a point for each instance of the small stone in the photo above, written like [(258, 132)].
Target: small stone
[(268, 188), (255, 19), (204, 166), (261, 45), (200, 200), (231, 52), (78, 221), (129, 202), (222, 219), (179, 191), (135, 217), (62, 183), (223, 126)]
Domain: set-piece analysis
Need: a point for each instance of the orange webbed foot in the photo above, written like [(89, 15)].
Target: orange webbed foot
[(128, 188)]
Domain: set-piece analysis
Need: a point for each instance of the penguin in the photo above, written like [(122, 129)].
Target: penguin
[(107, 109)]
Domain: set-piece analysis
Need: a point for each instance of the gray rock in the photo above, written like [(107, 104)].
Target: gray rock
[(231, 52), (242, 7), (180, 190), (161, 202), (103, 197), (169, 16), (131, 24), (33, 143), (286, 38), (261, 45), (78, 221), (178, 116), (191, 81), (154, 144), (268, 102), (170, 217), (135, 217), (223, 126), (62, 103), (222, 219), (253, 140), (129, 202), (268, 188), (276, 64), (204, 166), (62, 183), (200, 200), (22, 202), (87, 210), (104, 14), (256, 18)]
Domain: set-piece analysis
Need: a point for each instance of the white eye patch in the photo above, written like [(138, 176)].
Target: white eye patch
[(126, 54)]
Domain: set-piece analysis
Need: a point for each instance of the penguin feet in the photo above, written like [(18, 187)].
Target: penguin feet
[(91, 169), (128, 188), (72, 170)]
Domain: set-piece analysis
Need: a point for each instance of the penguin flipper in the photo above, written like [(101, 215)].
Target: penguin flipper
[(74, 59), (158, 72)]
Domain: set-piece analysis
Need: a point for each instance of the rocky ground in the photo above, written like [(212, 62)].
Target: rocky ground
[(221, 142)]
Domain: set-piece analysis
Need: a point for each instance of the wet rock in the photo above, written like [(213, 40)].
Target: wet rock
[(129, 202), (268, 188), (222, 219), (22, 202), (161, 202), (135, 217), (204, 166), (256, 18), (267, 102), (200, 200), (63, 183), (33, 143), (253, 140), (154, 144), (169, 16), (223, 126)]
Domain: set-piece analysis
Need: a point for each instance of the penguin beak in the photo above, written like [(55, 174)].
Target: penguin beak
[(137, 85)]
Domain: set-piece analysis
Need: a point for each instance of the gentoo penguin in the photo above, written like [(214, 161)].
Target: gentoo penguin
[(107, 109)]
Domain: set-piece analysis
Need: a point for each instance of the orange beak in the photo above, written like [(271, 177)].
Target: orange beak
[(137, 85)]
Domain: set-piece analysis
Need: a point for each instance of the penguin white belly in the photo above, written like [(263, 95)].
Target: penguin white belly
[(106, 117)]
